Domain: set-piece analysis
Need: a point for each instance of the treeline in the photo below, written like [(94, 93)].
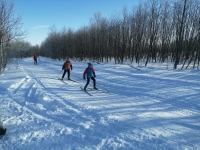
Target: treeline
[(154, 31)]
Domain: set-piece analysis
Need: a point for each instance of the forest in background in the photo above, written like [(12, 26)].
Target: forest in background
[(154, 31)]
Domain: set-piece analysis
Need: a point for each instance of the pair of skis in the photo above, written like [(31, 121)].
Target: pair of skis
[(68, 80), (91, 89), (86, 91)]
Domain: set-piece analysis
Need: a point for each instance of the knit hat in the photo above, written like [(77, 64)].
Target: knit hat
[(90, 65)]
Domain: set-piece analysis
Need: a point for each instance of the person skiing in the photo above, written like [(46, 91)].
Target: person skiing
[(35, 59), (2, 131), (90, 75), (66, 67)]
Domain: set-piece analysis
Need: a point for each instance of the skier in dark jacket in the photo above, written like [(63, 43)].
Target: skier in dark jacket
[(90, 75), (66, 67), (35, 59), (2, 130)]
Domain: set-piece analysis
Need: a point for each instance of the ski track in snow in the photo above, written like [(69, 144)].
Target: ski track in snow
[(144, 109)]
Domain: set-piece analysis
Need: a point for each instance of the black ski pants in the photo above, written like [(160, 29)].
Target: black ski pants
[(68, 72), (88, 81), (35, 61)]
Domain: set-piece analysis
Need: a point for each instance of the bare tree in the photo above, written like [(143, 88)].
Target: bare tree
[(180, 13), (153, 29), (191, 34), (10, 28), (138, 25), (166, 30)]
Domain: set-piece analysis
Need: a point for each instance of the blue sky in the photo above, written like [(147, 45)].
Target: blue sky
[(39, 15)]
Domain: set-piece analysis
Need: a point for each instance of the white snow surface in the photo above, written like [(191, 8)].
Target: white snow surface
[(153, 108)]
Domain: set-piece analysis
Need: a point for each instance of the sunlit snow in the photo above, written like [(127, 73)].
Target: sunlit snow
[(148, 108)]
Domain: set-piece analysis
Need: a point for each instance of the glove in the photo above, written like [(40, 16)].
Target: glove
[(84, 78)]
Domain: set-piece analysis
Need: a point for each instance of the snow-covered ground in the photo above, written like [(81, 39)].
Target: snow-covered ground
[(153, 108)]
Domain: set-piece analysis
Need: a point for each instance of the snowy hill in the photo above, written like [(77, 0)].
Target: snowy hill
[(146, 109)]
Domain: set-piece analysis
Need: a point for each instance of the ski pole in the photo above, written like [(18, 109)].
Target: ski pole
[(59, 72)]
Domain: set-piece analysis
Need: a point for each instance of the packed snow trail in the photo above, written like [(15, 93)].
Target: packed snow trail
[(143, 109)]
